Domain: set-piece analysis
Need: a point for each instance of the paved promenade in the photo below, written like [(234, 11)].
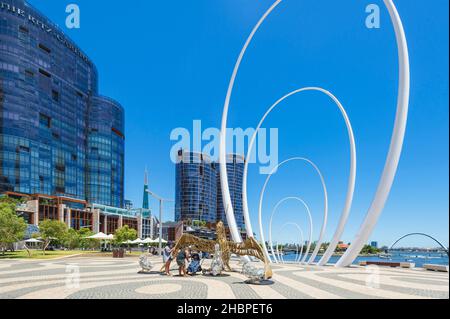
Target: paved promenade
[(89, 277)]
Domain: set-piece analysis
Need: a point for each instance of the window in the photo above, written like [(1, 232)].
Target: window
[(45, 73), (23, 29), (55, 96), (80, 219), (44, 48), (24, 149), (29, 73), (45, 81), (47, 211), (45, 120), (60, 189)]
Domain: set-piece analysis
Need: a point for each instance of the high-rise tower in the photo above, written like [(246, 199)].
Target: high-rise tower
[(145, 196), (58, 136)]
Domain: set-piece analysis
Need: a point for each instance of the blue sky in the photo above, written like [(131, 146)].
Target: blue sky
[(169, 63)]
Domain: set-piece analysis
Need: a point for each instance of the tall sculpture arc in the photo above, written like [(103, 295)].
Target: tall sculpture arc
[(395, 148), (351, 180), (325, 206), (236, 236), (310, 220)]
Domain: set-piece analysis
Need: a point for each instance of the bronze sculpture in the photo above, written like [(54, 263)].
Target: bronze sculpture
[(249, 247)]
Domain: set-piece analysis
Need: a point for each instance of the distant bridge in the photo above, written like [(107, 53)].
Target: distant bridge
[(420, 234)]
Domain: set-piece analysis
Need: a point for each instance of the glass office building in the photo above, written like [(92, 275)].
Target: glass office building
[(235, 170), (196, 188), (105, 156), (57, 135), (198, 193)]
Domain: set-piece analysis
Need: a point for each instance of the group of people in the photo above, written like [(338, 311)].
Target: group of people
[(183, 257)]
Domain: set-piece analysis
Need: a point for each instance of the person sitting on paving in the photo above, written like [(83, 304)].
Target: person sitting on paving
[(194, 266)]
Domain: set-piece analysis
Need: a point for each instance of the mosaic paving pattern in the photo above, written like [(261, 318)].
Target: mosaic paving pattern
[(99, 278)]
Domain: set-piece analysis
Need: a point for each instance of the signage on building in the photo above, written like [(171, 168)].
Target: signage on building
[(47, 28)]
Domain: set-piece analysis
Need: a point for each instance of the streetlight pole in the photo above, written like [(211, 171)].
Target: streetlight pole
[(161, 202)]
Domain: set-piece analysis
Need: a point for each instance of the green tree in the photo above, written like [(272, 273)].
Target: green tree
[(324, 246), (12, 227), (72, 239), (367, 249), (52, 230), (124, 233), (87, 243)]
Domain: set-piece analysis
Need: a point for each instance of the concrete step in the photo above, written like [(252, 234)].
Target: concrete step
[(441, 268)]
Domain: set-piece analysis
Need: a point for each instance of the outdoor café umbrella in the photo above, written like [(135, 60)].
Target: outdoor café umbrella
[(162, 240), (33, 240), (136, 241), (100, 236), (148, 240)]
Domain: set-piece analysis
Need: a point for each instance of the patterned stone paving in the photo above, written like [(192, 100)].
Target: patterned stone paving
[(107, 278)]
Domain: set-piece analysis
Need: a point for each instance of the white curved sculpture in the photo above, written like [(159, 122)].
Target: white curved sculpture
[(302, 239), (393, 157), (277, 251), (325, 213), (395, 149), (351, 180), (310, 225), (236, 236)]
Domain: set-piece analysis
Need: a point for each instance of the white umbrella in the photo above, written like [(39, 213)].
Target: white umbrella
[(162, 240), (136, 241), (33, 240), (147, 240), (100, 236), (110, 237)]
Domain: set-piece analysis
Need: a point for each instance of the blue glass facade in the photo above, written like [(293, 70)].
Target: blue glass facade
[(57, 136), (235, 170), (196, 188), (198, 193), (105, 156)]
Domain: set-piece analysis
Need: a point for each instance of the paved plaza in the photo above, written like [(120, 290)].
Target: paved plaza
[(104, 277)]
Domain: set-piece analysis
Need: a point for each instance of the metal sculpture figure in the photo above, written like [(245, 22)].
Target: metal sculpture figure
[(249, 247), (145, 263), (255, 275), (216, 264)]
